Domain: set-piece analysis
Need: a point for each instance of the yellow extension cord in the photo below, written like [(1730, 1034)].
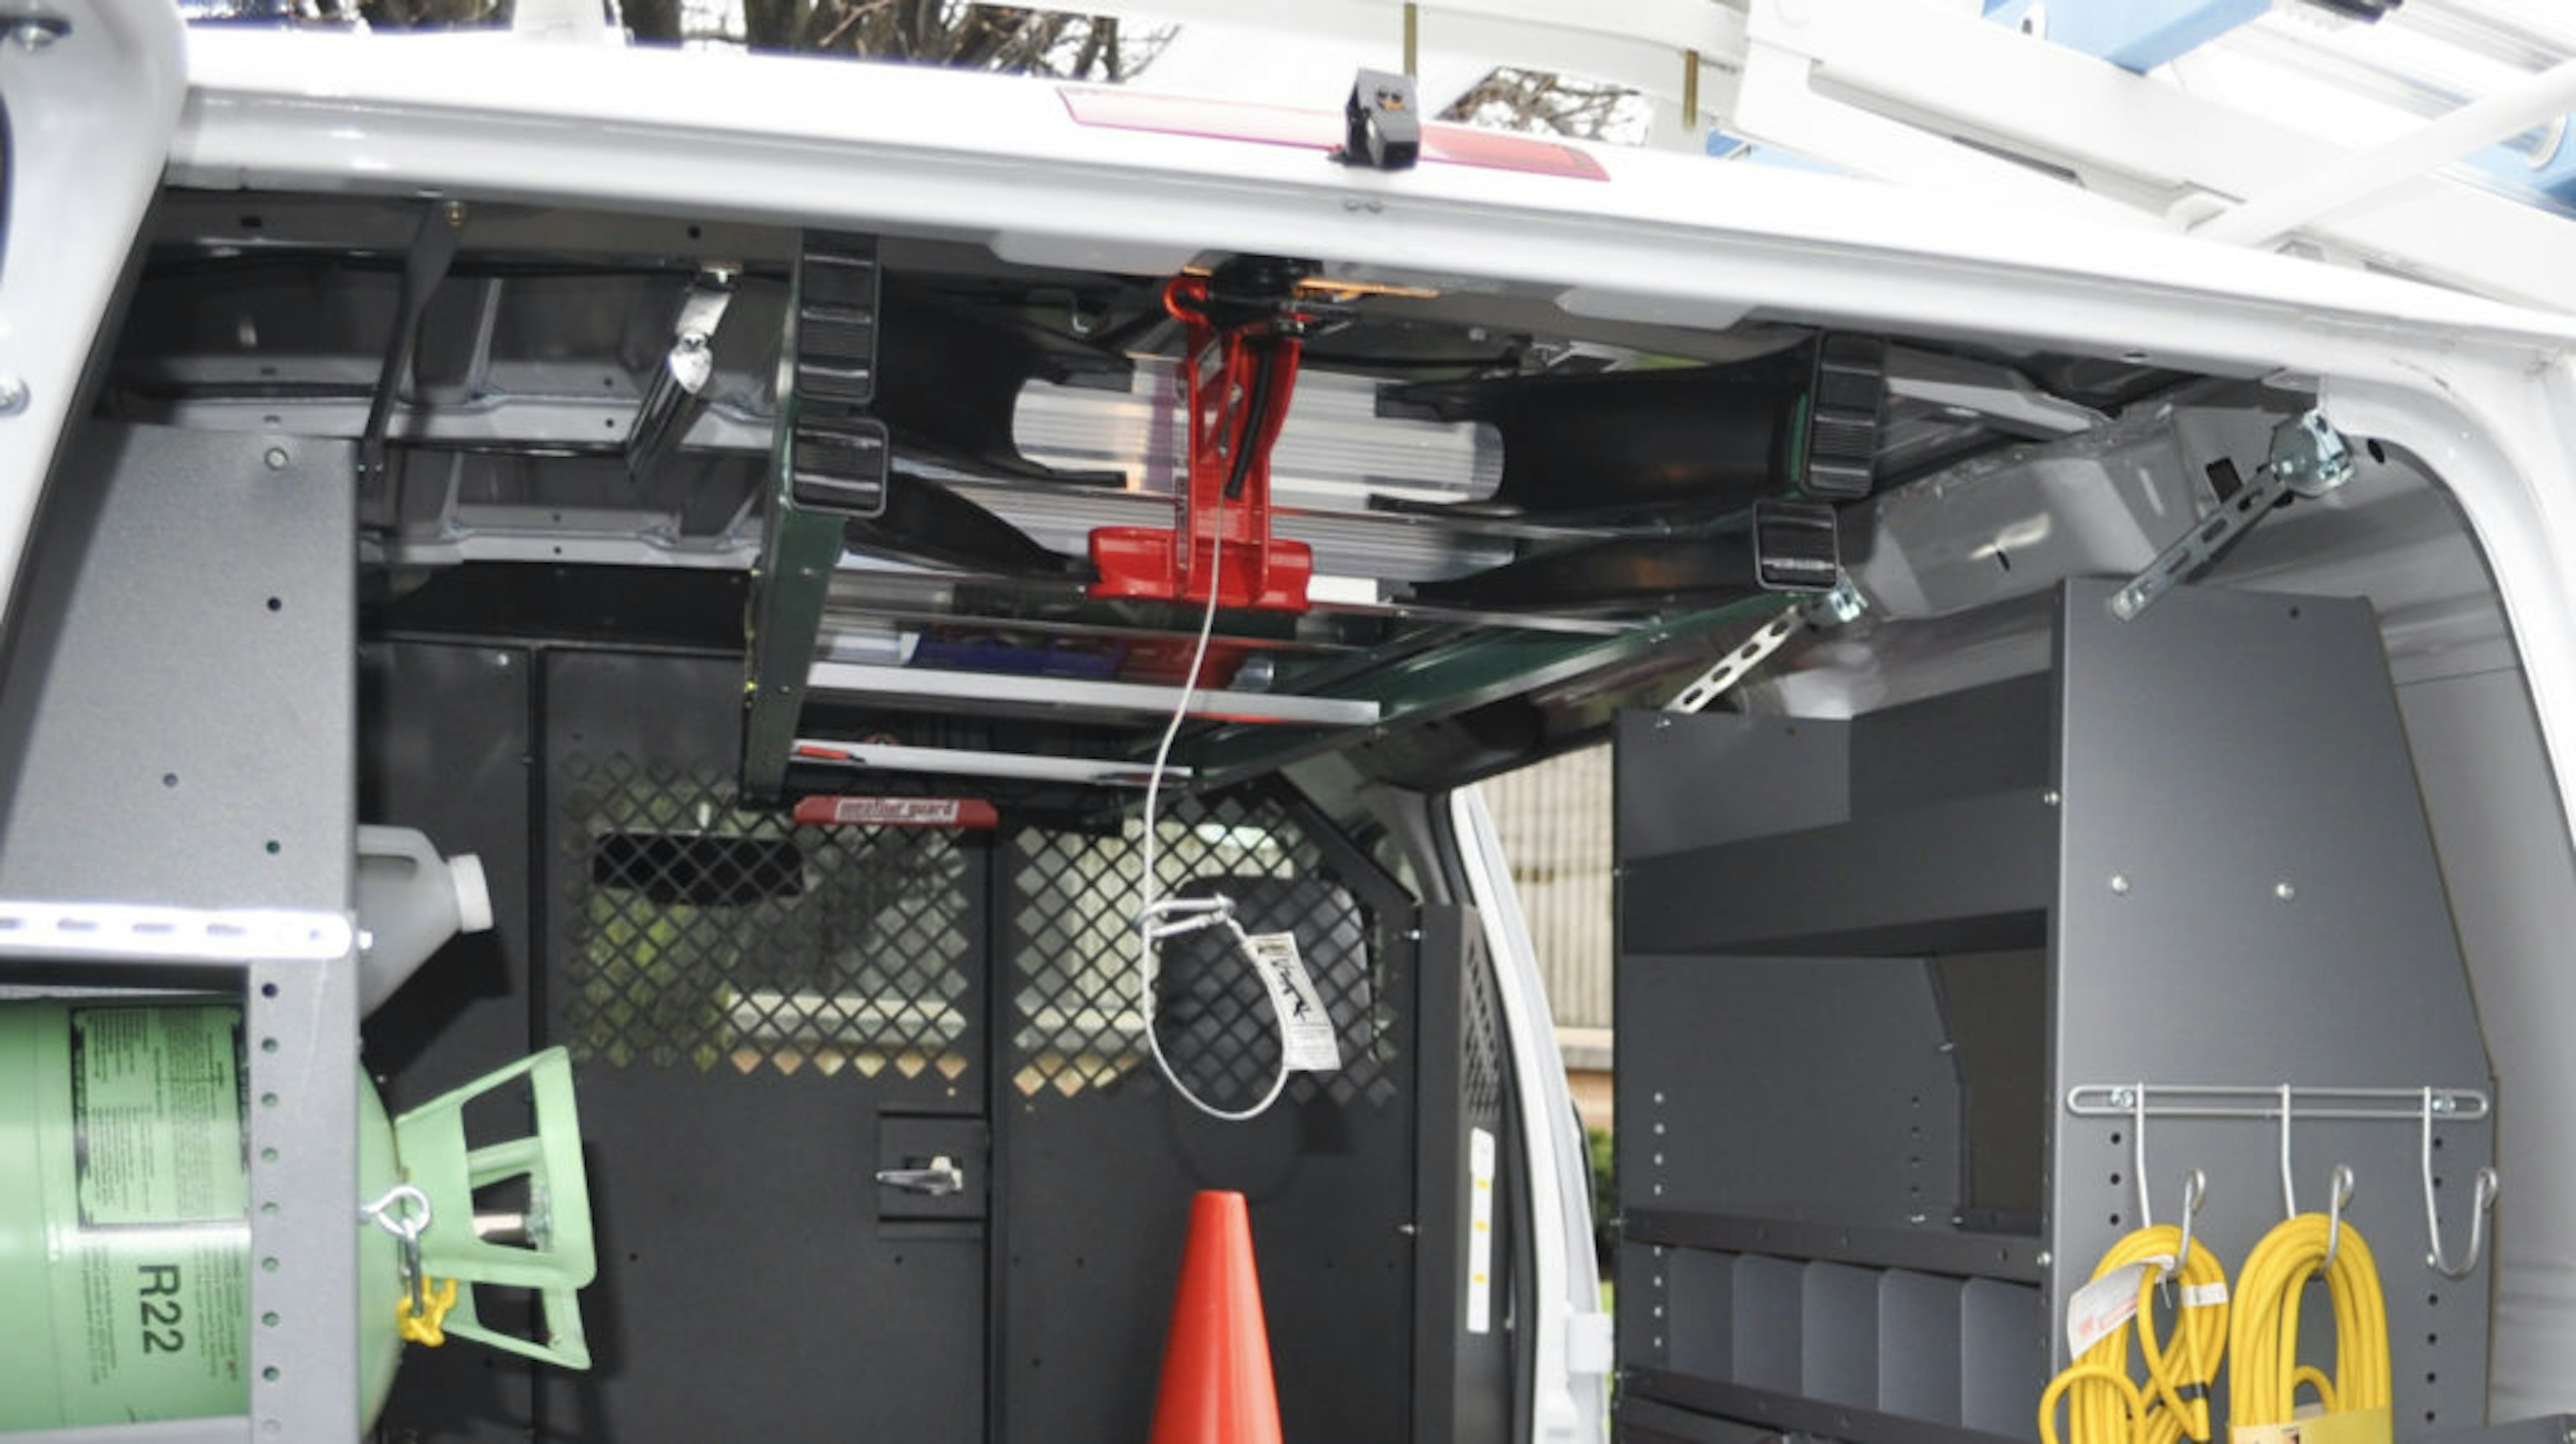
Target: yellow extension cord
[(2103, 1404), (2263, 1344), (2258, 1333)]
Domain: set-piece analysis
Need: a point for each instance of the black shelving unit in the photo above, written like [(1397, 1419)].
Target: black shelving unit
[(1863, 963)]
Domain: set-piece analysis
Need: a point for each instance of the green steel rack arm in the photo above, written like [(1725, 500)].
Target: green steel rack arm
[(831, 463)]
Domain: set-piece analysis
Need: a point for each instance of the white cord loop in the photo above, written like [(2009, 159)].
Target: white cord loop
[(1160, 918)]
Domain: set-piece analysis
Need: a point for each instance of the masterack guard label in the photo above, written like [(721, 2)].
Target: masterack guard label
[(151, 1293)]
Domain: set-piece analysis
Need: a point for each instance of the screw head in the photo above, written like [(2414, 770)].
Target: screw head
[(37, 34), (13, 395), (2045, 1259), (2284, 891), (2050, 798), (276, 458), (2120, 883)]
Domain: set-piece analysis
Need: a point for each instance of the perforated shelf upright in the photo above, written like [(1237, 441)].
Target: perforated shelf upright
[(179, 709)]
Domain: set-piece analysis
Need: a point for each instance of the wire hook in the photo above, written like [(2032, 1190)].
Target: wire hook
[(2338, 1196), (2195, 1191), (2289, 1190), (2138, 1152), (2480, 1202)]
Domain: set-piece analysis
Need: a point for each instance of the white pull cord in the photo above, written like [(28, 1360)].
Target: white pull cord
[(1157, 919)]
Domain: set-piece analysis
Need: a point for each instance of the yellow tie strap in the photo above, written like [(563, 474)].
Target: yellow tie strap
[(426, 1327)]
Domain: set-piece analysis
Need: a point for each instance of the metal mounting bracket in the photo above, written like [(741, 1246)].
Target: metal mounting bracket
[(2308, 458), (425, 264), (677, 392), (831, 464), (1835, 608)]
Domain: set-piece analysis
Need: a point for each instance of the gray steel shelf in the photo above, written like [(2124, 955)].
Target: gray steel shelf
[(296, 973), (1970, 874), (183, 817), (1933, 1249), (1674, 1402)]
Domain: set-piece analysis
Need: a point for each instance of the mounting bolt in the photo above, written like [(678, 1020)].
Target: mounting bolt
[(455, 215), (13, 395), (36, 34), (2049, 798), (2284, 891), (1917, 1218), (2120, 883), (2445, 1103), (2124, 1097), (2045, 1259), (276, 458)]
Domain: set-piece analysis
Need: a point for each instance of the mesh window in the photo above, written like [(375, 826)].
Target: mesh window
[(1482, 1073), (703, 937), (1075, 1005)]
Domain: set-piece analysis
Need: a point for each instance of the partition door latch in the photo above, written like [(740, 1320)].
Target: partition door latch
[(938, 1179)]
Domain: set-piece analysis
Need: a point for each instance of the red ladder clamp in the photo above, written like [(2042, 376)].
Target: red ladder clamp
[(1240, 370)]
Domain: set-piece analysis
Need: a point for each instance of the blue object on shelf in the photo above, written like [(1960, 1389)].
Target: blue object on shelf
[(2552, 181), (2135, 35)]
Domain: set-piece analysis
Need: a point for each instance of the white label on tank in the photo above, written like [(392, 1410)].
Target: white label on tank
[(1480, 1231), (151, 1294), (157, 1111), (1308, 1029)]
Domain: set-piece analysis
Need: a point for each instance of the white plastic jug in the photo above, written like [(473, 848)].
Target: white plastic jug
[(410, 902)]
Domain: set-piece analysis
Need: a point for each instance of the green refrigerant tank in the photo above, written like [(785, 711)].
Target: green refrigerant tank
[(125, 1214)]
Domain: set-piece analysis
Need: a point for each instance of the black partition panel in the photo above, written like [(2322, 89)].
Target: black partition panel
[(762, 1017), (445, 750), (1469, 1284), (1099, 1159)]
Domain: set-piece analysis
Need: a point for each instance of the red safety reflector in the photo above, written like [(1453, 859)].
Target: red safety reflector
[(1315, 130), (956, 812)]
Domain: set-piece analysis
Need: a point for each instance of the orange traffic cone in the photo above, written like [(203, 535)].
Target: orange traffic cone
[(1217, 1387)]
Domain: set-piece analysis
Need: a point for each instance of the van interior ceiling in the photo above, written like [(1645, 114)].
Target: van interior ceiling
[(1977, 707)]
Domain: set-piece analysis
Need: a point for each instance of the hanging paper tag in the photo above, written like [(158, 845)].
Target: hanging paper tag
[(1312, 1048), (2102, 1307), (1480, 1231)]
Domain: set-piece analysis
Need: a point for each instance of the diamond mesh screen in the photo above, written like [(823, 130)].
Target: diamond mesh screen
[(1077, 1019), (704, 937), (1481, 1074)]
